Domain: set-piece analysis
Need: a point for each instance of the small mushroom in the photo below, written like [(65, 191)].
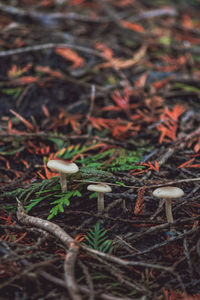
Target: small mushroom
[(168, 193), (100, 188), (63, 168)]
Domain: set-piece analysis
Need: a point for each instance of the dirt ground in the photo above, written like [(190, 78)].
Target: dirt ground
[(113, 86)]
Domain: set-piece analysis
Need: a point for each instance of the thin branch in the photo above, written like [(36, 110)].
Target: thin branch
[(73, 250), (73, 247), (69, 267), (49, 46), (83, 289)]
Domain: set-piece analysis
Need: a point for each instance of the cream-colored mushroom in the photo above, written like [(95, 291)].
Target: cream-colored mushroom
[(101, 189), (168, 193), (63, 168)]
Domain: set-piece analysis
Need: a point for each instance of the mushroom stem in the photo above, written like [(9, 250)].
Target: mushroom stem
[(63, 181), (124, 205), (168, 210), (100, 201)]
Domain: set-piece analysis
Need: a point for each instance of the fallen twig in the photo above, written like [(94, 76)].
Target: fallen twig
[(73, 251), (70, 243)]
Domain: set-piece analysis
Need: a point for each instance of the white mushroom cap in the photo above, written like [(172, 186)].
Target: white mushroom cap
[(100, 188), (168, 192), (62, 166)]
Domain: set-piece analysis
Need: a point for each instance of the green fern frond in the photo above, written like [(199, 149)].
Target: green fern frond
[(41, 191), (123, 160), (100, 166), (58, 205), (126, 160), (97, 160), (98, 240), (25, 193)]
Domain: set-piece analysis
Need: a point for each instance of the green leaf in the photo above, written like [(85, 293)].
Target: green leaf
[(97, 239), (15, 92), (187, 87), (59, 142), (58, 205)]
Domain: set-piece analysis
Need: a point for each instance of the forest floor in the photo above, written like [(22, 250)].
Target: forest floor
[(113, 86)]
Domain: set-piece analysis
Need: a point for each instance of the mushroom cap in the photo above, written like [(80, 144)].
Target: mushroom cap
[(62, 166), (100, 188), (168, 192)]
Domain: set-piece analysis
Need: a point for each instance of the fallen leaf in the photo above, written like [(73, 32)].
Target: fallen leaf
[(78, 62)]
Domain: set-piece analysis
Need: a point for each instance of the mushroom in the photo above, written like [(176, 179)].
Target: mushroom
[(100, 188), (168, 193), (63, 168)]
